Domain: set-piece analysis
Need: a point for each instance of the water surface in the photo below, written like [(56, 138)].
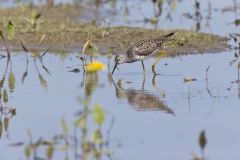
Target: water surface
[(153, 117)]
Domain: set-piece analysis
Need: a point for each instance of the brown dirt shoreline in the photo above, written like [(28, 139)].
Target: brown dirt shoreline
[(59, 28)]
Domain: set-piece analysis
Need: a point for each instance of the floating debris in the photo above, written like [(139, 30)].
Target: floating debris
[(75, 70), (189, 79)]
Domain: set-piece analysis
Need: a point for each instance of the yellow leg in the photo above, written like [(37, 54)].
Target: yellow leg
[(144, 70), (154, 64)]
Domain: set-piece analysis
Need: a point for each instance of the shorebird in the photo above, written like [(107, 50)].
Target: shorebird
[(141, 50)]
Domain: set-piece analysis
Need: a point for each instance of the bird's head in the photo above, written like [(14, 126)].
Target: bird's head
[(119, 59)]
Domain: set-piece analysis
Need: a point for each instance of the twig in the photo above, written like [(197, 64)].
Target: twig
[(83, 59), (207, 72), (206, 79), (44, 53)]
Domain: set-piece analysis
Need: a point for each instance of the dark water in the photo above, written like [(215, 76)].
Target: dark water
[(153, 118)]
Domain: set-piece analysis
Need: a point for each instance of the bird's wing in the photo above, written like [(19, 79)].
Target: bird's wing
[(142, 48)]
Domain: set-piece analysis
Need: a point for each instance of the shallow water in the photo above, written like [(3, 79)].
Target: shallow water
[(153, 118), (181, 110), (214, 16)]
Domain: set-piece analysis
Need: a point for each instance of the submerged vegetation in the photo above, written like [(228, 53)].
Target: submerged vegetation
[(77, 140), (7, 87), (58, 27)]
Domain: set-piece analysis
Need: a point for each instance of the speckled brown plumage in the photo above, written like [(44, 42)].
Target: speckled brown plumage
[(141, 50), (144, 48)]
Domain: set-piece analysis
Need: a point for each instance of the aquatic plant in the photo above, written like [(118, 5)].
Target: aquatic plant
[(202, 142), (6, 45), (82, 145), (7, 112), (90, 49), (10, 30), (95, 66)]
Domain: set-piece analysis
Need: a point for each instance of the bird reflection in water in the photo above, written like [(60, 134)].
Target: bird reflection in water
[(141, 100)]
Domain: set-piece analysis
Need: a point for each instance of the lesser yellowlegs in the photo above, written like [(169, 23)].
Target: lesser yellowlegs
[(140, 51)]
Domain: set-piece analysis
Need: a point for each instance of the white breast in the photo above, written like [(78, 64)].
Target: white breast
[(140, 58)]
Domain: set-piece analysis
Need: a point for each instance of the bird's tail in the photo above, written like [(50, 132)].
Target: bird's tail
[(169, 35), (164, 38)]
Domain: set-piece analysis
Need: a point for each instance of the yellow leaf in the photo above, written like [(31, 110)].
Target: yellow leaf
[(173, 5), (50, 150), (162, 53), (154, 20), (110, 52), (90, 48), (202, 140), (189, 79), (11, 82), (97, 137), (95, 66), (6, 122), (119, 83), (27, 151), (98, 114), (10, 30), (64, 126), (5, 96), (43, 82), (43, 37), (33, 14), (81, 122), (35, 54)]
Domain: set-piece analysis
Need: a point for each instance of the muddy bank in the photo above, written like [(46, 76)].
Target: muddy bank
[(60, 28)]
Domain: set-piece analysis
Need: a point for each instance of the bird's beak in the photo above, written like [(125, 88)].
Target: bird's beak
[(115, 66)]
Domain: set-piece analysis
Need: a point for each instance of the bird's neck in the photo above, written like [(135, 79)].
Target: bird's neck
[(130, 60)]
